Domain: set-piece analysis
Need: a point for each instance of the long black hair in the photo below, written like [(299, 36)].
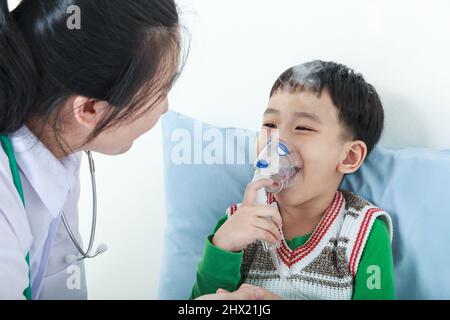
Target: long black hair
[(124, 52)]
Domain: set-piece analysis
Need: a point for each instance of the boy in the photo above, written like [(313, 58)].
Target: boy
[(335, 244)]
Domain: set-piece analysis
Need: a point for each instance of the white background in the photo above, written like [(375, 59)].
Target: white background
[(238, 48)]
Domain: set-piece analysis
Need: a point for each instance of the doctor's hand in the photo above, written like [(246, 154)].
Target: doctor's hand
[(245, 292), (250, 222)]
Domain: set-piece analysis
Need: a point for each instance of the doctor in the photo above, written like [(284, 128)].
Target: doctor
[(75, 75)]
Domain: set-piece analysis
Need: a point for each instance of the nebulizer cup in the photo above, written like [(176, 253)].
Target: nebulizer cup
[(279, 162)]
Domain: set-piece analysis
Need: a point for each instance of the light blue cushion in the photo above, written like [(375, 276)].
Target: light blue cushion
[(411, 184)]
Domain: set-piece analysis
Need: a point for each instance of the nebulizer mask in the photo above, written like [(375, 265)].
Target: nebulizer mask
[(279, 162)]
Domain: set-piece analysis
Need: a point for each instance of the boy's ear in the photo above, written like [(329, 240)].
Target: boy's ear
[(355, 154)]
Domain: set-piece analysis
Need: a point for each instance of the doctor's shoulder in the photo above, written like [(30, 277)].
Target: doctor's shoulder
[(15, 236), (11, 206)]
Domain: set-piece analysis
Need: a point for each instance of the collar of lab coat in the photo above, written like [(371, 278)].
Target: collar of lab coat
[(49, 177)]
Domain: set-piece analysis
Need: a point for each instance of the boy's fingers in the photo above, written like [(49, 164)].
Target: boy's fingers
[(262, 234), (272, 213), (252, 188), (276, 215), (269, 226)]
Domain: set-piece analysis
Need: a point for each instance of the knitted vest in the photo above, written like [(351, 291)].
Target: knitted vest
[(325, 266)]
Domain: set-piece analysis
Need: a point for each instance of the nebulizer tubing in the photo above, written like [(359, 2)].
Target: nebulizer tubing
[(261, 198), (279, 162)]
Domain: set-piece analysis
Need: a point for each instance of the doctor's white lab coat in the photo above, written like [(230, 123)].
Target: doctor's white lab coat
[(50, 187)]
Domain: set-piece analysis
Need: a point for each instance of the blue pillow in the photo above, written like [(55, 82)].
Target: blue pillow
[(413, 185), (200, 183)]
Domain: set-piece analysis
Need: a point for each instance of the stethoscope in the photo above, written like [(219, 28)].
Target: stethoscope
[(71, 258)]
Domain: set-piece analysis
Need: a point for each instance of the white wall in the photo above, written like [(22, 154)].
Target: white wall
[(238, 49), (402, 47), (131, 221)]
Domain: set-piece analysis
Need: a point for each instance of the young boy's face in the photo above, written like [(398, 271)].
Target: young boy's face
[(311, 126)]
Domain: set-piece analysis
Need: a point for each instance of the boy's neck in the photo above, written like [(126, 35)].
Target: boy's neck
[(303, 219)]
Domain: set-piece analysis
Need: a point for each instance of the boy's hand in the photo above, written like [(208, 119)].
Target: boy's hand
[(250, 222)]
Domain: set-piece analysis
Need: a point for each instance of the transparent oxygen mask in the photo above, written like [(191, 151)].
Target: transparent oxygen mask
[(279, 162)]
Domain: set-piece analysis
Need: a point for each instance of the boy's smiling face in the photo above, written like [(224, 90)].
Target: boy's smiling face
[(310, 124)]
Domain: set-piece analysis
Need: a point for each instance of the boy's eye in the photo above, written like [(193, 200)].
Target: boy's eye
[(269, 125), (303, 128)]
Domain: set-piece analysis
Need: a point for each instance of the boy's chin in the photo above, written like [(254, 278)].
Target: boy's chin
[(290, 197)]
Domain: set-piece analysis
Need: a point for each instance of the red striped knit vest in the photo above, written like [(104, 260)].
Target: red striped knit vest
[(325, 266)]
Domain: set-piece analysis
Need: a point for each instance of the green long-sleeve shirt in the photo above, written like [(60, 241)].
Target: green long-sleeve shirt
[(222, 269)]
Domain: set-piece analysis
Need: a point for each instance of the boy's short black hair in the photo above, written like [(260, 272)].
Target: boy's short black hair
[(359, 106)]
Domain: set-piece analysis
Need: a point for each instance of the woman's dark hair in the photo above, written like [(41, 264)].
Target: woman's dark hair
[(124, 52), (359, 106)]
